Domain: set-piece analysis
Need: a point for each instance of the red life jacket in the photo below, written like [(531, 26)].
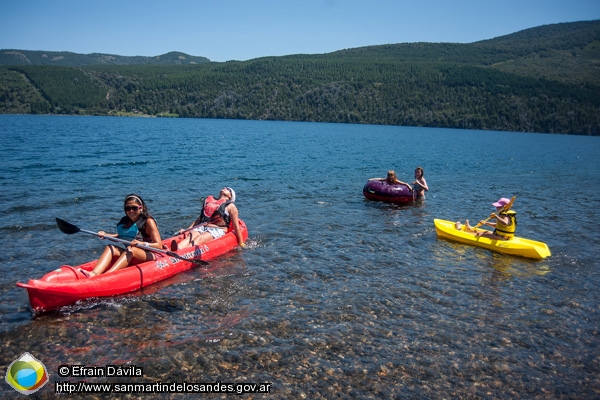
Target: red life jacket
[(214, 212)]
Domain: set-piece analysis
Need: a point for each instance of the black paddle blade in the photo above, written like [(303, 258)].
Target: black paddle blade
[(66, 227)]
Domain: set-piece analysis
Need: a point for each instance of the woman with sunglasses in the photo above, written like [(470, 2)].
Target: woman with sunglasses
[(137, 226), (213, 222)]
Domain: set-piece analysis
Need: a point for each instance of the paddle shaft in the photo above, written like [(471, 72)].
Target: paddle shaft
[(115, 239), (148, 248), (69, 228)]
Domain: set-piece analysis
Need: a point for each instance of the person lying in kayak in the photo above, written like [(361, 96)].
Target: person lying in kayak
[(213, 222), (137, 226), (392, 179), (505, 225)]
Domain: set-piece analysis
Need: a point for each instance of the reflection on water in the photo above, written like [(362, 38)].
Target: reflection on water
[(508, 267)]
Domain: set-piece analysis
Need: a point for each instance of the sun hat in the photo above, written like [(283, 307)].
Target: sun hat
[(502, 202), (232, 194)]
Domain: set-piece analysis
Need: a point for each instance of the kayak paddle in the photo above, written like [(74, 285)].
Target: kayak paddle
[(70, 229), (506, 207)]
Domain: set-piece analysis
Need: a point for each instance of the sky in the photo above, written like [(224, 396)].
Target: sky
[(224, 30)]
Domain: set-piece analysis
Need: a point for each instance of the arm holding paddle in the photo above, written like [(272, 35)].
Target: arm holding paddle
[(102, 234), (154, 240), (502, 205), (137, 222), (155, 243), (70, 229), (504, 226), (503, 219), (136, 249)]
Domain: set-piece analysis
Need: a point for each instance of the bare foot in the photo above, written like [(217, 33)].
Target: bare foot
[(458, 225), (468, 227)]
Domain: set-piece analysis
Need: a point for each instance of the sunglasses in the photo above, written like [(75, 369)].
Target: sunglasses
[(133, 208)]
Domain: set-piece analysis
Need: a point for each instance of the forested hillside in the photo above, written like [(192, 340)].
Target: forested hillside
[(544, 79)]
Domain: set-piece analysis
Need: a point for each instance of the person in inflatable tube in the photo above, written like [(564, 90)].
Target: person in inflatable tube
[(137, 226), (213, 222), (392, 179), (504, 227)]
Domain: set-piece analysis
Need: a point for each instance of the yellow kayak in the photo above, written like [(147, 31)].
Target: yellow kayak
[(516, 246)]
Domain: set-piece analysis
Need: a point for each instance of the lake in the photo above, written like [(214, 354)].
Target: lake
[(335, 295)]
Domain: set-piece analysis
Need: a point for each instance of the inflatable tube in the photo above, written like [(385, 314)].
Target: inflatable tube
[(382, 191)]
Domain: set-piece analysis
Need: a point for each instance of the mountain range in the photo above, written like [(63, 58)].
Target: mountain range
[(68, 59), (543, 79)]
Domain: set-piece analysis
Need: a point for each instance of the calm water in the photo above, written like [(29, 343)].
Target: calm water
[(335, 296)]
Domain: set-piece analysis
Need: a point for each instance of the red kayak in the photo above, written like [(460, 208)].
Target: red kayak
[(67, 284)]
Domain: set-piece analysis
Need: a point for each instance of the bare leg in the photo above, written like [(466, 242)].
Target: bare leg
[(187, 241), (469, 228), (490, 235), (122, 261), (194, 239), (129, 255), (109, 253), (200, 238), (481, 232)]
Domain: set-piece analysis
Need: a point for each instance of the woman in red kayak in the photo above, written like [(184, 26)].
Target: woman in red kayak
[(213, 222), (137, 226)]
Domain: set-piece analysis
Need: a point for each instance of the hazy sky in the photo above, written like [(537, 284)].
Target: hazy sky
[(224, 30)]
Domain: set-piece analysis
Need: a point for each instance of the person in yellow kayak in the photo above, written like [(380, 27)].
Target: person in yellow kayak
[(137, 226), (213, 222), (504, 227)]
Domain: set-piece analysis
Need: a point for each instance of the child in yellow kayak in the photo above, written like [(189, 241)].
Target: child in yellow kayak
[(504, 227)]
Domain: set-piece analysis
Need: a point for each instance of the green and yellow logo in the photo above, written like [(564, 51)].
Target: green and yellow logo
[(27, 374)]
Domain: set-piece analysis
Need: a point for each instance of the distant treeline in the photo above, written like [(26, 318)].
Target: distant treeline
[(544, 79)]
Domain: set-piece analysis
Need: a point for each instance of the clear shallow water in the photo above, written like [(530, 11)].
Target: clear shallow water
[(336, 295)]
